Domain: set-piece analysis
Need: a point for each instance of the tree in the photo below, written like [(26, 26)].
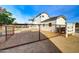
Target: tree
[(6, 17)]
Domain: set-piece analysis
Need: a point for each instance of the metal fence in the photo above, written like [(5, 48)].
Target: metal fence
[(9, 31), (21, 34), (6, 31), (34, 30)]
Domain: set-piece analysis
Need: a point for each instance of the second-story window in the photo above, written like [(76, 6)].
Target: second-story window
[(42, 15)]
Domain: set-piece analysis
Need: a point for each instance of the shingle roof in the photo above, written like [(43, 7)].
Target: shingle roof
[(53, 18)]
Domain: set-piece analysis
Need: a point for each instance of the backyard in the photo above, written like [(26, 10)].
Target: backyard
[(20, 43), (27, 40)]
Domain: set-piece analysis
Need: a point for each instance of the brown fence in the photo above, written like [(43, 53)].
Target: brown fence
[(21, 34), (9, 31), (14, 29), (30, 28)]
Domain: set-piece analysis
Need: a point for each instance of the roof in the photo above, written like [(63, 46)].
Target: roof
[(53, 18), (41, 13)]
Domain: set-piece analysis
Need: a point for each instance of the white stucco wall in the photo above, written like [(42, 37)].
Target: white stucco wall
[(61, 21), (40, 18), (47, 27), (44, 16)]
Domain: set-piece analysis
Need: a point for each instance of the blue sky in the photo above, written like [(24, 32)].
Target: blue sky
[(23, 13)]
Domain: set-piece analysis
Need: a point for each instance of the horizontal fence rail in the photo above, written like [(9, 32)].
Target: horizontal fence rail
[(21, 34), (9, 31)]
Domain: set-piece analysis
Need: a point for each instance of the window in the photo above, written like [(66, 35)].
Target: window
[(42, 15), (43, 25), (50, 24)]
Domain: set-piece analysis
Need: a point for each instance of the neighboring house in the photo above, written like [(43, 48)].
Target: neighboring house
[(49, 23)]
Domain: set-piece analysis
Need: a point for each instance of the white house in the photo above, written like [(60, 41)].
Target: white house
[(49, 23), (39, 18)]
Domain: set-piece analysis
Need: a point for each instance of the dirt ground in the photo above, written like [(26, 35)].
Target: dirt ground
[(54, 43), (44, 46), (25, 37)]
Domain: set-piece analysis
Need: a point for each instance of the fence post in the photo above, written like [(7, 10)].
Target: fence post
[(5, 32), (13, 30), (39, 32)]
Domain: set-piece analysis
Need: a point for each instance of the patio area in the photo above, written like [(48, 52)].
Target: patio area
[(67, 45)]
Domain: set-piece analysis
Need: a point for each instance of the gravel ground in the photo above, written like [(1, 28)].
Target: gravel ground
[(2, 39), (44, 46), (20, 38), (25, 37)]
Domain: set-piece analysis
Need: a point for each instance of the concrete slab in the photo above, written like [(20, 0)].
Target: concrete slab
[(66, 45)]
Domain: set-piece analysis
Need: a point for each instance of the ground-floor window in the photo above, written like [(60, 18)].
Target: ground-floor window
[(50, 24)]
